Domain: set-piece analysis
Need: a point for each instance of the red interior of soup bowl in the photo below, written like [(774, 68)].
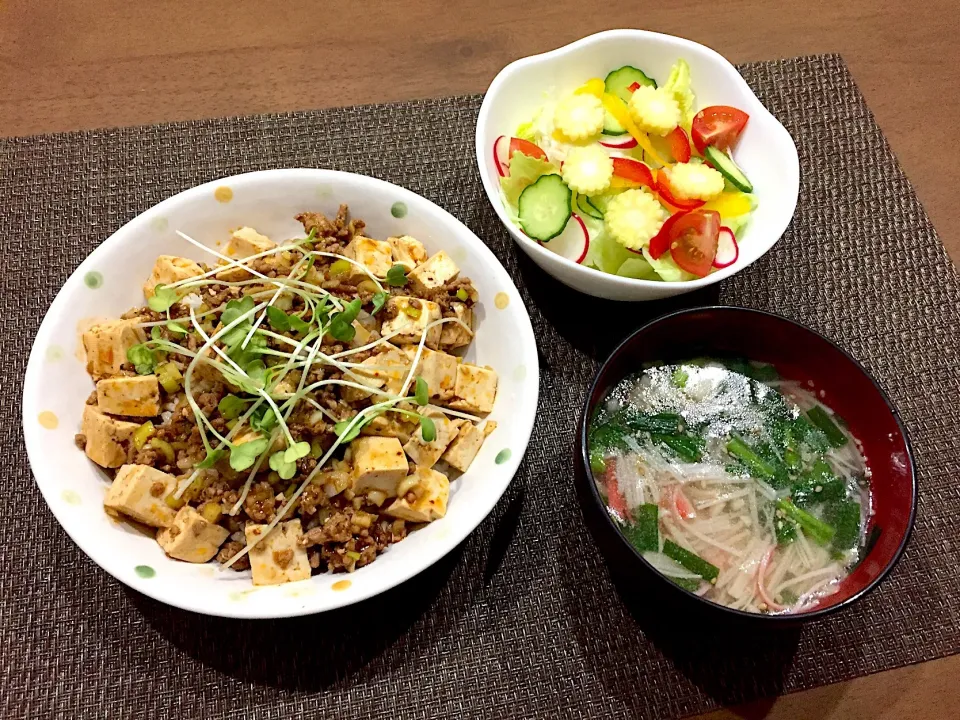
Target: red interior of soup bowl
[(843, 385)]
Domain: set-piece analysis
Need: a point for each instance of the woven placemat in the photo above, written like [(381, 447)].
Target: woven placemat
[(523, 619)]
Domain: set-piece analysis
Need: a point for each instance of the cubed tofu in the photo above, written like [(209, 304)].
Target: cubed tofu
[(138, 491), (465, 446), (410, 317), (378, 464), (235, 273), (454, 335), (391, 425), (191, 537), (375, 255), (279, 557), (243, 243), (438, 369), (106, 345), (438, 270), (476, 388), (431, 489), (107, 437), (169, 269), (137, 396), (386, 369), (246, 242), (407, 251), (424, 453), (362, 336)]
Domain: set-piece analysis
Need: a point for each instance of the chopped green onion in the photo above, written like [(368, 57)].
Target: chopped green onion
[(164, 448), (141, 434), (413, 312), (340, 267), (462, 295)]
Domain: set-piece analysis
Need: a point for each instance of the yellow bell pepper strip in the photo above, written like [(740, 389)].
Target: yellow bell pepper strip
[(730, 204), (616, 107), (593, 86)]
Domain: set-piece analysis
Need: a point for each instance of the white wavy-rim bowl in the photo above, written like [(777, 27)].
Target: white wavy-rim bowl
[(109, 282), (766, 152)]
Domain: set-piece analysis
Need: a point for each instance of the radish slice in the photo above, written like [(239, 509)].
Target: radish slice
[(501, 158), (573, 242), (618, 143), (727, 249)]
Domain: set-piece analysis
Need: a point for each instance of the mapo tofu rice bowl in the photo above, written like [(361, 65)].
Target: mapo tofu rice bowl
[(277, 408)]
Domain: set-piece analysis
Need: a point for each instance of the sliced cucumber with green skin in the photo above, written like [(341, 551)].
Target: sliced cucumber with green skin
[(611, 126), (587, 208), (725, 165), (617, 81), (544, 207)]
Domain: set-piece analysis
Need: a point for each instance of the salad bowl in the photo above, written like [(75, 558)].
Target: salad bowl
[(765, 151), (108, 282)]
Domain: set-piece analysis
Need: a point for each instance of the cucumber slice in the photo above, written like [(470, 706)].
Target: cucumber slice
[(587, 208), (611, 126), (725, 165), (544, 207), (617, 81)]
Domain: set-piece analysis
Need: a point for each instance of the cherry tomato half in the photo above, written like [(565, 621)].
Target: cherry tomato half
[(718, 125), (633, 170), (527, 148), (679, 145), (667, 193), (693, 241)]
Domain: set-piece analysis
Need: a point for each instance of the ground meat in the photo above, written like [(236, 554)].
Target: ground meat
[(156, 490), (312, 499), (283, 557), (146, 456), (92, 398), (229, 549), (446, 294), (208, 401), (260, 504), (335, 530), (80, 440), (219, 491)]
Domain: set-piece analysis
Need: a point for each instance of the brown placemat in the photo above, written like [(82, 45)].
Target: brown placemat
[(523, 619)]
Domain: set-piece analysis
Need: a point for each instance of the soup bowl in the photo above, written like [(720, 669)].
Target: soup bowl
[(799, 354)]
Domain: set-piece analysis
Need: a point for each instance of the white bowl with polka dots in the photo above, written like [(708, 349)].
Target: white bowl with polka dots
[(109, 282)]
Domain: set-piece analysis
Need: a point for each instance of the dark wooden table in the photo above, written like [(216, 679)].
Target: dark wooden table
[(77, 64)]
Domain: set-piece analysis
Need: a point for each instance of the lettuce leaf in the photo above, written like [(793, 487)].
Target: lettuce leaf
[(666, 268), (605, 253), (679, 84), (524, 171), (528, 130), (638, 268)]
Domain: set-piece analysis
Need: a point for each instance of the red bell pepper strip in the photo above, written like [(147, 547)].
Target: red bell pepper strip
[(667, 193), (633, 170), (660, 242), (679, 144)]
